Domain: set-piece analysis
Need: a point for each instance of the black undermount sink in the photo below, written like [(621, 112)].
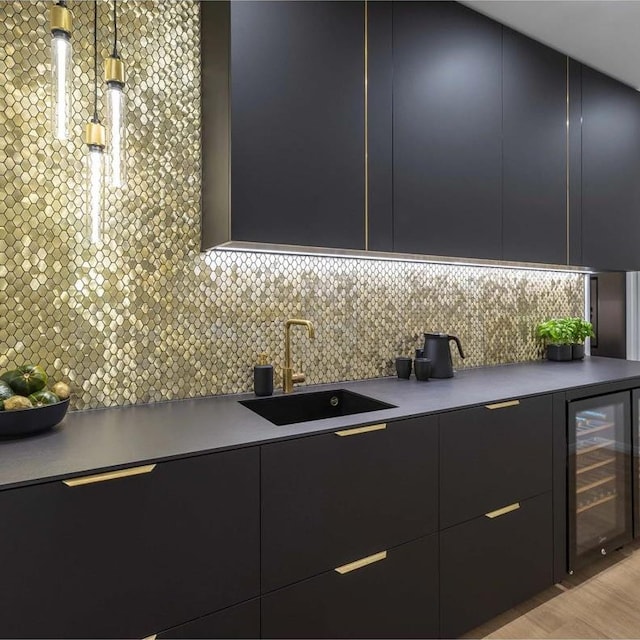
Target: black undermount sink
[(305, 407)]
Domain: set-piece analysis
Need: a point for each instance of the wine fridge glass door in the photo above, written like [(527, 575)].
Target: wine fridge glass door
[(599, 476), (636, 461)]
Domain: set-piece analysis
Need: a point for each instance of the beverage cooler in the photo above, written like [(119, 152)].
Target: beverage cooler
[(635, 438), (599, 476)]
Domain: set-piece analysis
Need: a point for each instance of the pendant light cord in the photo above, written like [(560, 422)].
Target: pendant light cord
[(95, 61), (115, 29)]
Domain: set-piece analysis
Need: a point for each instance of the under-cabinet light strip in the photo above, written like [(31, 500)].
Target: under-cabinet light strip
[(324, 252)]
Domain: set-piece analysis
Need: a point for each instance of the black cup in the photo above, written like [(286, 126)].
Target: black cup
[(419, 353), (422, 368), (403, 367)]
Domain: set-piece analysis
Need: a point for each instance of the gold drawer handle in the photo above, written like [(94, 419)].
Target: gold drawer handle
[(359, 430), (111, 475), (363, 562), (503, 405), (500, 512)]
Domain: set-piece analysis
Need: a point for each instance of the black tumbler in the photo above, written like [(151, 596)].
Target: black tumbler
[(263, 379), (403, 367), (422, 368)]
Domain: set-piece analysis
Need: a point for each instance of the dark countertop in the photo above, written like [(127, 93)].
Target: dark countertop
[(90, 441)]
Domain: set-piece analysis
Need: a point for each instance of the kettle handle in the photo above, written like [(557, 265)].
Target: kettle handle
[(459, 345)]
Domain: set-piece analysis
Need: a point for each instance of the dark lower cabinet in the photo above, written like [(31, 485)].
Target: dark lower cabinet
[(490, 564), (127, 557), (240, 621), (494, 455), (394, 597), (331, 498)]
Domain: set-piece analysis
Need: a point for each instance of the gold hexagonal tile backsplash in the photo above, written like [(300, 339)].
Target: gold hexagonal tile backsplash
[(145, 316)]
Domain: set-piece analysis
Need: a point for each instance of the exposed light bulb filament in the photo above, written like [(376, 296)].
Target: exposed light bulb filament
[(116, 135), (95, 192), (60, 84)]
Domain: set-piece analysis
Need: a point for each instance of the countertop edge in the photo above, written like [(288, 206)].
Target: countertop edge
[(311, 429)]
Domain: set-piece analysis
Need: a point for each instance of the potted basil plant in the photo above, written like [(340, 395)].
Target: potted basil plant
[(581, 329), (558, 337)]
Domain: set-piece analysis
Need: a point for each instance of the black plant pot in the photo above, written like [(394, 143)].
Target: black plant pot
[(559, 352), (577, 351)]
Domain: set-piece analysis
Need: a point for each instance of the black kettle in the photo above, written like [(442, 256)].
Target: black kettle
[(436, 348)]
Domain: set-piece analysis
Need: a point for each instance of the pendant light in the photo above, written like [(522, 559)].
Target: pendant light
[(116, 134), (95, 140), (60, 23)]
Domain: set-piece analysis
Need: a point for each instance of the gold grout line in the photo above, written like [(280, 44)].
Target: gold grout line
[(366, 125), (567, 163)]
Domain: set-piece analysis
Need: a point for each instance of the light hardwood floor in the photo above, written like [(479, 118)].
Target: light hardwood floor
[(601, 601)]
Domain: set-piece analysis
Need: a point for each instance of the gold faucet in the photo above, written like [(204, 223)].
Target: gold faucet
[(289, 378)]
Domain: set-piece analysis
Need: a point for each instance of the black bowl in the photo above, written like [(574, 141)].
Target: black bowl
[(26, 422)]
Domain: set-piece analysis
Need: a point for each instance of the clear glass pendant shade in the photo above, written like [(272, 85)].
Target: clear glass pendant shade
[(60, 84), (116, 135), (95, 192)]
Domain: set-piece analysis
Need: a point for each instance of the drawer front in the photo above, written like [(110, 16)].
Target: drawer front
[(327, 499), (241, 621), (490, 457), (124, 557), (490, 564), (393, 597)]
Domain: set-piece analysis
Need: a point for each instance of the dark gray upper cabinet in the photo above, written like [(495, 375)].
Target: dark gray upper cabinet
[(297, 123), (380, 125), (574, 93), (456, 145), (610, 170), (447, 124), (534, 154)]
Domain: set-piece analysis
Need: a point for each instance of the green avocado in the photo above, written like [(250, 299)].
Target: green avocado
[(25, 380), (43, 398)]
